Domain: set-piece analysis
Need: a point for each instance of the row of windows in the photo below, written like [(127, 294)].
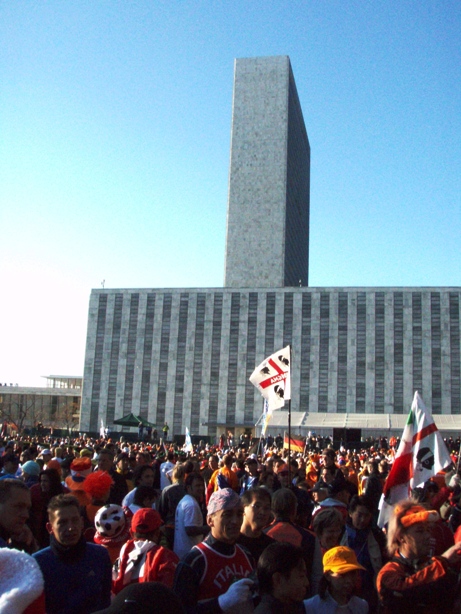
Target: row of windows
[(239, 337)]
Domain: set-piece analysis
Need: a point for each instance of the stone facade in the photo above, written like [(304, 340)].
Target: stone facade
[(185, 355), (268, 209)]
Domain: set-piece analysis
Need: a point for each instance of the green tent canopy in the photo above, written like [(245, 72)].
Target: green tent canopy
[(132, 420)]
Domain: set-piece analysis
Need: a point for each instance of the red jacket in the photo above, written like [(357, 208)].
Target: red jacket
[(159, 566)]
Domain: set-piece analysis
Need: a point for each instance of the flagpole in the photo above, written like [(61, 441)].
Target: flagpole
[(289, 430)]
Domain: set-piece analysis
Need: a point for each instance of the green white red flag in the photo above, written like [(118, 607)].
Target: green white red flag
[(272, 378), (422, 453)]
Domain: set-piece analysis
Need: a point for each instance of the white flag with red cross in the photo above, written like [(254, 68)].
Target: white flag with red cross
[(272, 378)]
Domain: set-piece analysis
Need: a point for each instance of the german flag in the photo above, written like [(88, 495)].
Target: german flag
[(297, 445)]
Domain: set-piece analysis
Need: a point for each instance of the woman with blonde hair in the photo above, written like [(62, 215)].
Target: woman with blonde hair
[(413, 581)]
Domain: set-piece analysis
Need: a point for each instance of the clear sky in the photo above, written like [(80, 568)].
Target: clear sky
[(114, 150)]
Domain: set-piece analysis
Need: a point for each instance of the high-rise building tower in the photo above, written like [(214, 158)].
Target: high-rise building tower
[(267, 243)]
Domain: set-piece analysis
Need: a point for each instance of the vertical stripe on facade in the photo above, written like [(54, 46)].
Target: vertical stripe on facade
[(215, 360), (198, 363), (180, 363), (379, 352), (147, 354), (98, 358), (233, 357), (436, 353), (455, 365), (270, 323), (361, 357), (306, 315), (131, 353), (324, 350), (252, 327), (417, 313), (341, 389), (398, 353), (114, 357), (163, 359)]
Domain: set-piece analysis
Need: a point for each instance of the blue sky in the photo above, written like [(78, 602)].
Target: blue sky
[(114, 150)]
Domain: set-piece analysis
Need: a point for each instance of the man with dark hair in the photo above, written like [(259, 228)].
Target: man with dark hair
[(282, 579), (256, 516), (284, 529), (77, 574), (15, 504), (251, 477), (119, 488), (169, 499), (189, 526)]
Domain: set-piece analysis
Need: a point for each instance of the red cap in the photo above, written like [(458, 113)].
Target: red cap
[(146, 520)]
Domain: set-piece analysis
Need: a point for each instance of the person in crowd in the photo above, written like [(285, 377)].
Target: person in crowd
[(144, 496), (41, 494), (169, 499), (143, 475), (211, 466), (319, 492), (328, 526), (189, 523), (80, 469), (203, 581), (329, 461), (119, 487), (282, 580), (10, 466), (30, 473), (369, 544), (224, 477), (166, 471), (284, 529), (122, 465), (97, 486), (15, 507), (257, 515), (413, 581), (251, 477), (374, 487), (338, 497), (112, 529), (142, 559), (77, 574), (338, 585), (305, 505)]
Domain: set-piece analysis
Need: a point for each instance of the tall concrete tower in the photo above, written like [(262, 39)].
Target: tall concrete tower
[(267, 242)]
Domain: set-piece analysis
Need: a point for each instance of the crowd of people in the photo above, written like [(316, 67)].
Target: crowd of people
[(95, 525)]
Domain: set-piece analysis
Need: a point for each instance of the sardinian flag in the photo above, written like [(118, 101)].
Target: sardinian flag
[(422, 453), (272, 378)]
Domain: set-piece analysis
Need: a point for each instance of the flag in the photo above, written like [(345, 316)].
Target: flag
[(188, 445), (102, 430), (272, 378), (266, 418), (297, 445), (422, 453)]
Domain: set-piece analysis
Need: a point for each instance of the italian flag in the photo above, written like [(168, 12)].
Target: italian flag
[(422, 453)]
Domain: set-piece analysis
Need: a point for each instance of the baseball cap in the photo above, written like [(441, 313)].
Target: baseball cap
[(146, 520), (145, 598), (340, 560), (31, 468)]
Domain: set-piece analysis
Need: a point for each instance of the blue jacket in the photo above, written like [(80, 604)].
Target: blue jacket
[(77, 587)]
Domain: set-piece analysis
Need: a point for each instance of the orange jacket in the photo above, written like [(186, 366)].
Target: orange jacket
[(429, 589)]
